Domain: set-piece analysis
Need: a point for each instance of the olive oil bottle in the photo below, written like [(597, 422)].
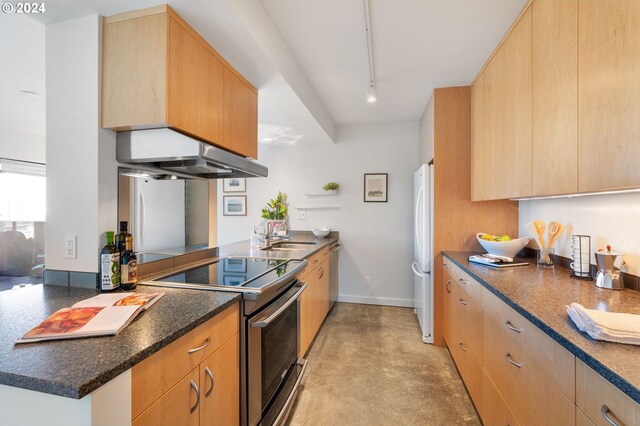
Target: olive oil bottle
[(109, 265), (121, 238), (129, 267)]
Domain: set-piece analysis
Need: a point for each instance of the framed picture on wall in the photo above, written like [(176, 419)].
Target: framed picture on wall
[(234, 185), (235, 205), (375, 187)]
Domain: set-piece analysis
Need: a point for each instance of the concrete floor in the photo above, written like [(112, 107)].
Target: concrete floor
[(369, 366)]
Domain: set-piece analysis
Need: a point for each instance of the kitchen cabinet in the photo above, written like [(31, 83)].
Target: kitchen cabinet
[(314, 301), (594, 393), (465, 336), (555, 97), (501, 117), (158, 72), (194, 380), (609, 94)]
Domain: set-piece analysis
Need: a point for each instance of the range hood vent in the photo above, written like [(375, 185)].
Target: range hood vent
[(165, 152)]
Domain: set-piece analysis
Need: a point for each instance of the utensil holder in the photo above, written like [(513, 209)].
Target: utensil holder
[(544, 258), (581, 246)]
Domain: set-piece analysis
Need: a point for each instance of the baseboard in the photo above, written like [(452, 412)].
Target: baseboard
[(383, 301)]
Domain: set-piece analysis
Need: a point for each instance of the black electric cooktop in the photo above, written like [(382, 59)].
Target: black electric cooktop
[(235, 272)]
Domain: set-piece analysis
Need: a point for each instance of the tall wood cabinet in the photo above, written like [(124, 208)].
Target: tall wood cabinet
[(584, 102), (158, 72), (501, 119)]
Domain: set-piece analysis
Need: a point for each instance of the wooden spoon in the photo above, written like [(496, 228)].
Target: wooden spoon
[(532, 231), (539, 226), (553, 232)]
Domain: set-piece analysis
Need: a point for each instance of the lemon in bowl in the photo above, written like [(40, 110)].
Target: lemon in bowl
[(501, 245)]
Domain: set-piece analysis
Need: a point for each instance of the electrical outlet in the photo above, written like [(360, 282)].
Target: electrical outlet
[(367, 281), (302, 215), (70, 247)]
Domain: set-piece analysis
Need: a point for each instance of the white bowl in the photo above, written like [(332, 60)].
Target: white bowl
[(503, 248), (321, 232)]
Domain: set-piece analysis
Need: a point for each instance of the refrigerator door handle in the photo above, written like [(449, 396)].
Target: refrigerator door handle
[(141, 221), (419, 238), (414, 266)]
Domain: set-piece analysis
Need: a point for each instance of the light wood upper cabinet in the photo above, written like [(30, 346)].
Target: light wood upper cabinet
[(158, 72), (240, 116), (501, 135), (555, 97), (609, 94)]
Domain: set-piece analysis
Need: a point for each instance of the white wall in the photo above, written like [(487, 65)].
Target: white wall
[(609, 219), (81, 168), (376, 237), (427, 132), (19, 145)]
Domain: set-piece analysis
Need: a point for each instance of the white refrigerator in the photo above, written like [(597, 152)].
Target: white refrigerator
[(423, 249)]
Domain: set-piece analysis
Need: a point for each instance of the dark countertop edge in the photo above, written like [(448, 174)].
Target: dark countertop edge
[(602, 369), (79, 392)]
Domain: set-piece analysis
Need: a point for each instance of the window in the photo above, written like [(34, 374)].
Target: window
[(22, 217)]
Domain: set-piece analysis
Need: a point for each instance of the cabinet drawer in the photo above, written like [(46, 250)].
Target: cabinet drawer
[(494, 410), (470, 286), (594, 391), (528, 392), (554, 360), (582, 419), (154, 376), (175, 407), (314, 261)]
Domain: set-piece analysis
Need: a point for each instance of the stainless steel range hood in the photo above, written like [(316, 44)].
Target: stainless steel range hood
[(165, 153)]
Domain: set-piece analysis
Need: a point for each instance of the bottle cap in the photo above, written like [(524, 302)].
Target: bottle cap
[(109, 236), (123, 226)]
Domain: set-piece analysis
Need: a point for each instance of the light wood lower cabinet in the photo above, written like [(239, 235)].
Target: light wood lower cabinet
[(582, 419), (597, 397), (194, 380), (314, 301), (494, 410)]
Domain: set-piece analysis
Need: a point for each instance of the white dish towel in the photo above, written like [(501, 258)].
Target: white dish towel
[(610, 326)]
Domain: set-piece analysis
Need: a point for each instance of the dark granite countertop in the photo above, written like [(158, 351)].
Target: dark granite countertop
[(75, 368), (540, 295)]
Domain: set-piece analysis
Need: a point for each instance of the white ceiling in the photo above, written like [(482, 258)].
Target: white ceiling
[(23, 68), (418, 45)]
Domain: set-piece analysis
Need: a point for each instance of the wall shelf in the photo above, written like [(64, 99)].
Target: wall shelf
[(321, 195)]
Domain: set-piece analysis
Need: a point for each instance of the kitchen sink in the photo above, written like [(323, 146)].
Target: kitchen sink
[(289, 246)]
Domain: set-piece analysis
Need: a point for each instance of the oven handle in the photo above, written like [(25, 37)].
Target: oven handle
[(265, 322)]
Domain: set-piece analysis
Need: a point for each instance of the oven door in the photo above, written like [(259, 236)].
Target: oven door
[(272, 355)]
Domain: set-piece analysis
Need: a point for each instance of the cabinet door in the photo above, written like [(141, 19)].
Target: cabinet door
[(195, 84), (220, 379), (322, 295), (307, 314), (501, 130), (176, 407), (555, 97), (449, 326), (609, 94), (240, 116)]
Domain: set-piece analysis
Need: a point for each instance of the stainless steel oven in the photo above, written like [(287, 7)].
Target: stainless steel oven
[(273, 369)]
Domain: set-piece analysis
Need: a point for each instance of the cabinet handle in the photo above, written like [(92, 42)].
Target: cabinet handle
[(199, 348), (446, 286), (210, 374), (462, 281), (195, 388), (463, 302), (517, 364), (463, 347), (445, 266), (605, 413), (511, 327), (321, 272)]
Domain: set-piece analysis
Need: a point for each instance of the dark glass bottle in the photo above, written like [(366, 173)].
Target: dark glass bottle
[(109, 265), (121, 238), (129, 267)]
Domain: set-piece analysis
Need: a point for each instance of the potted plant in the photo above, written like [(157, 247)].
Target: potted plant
[(331, 187), (275, 212)]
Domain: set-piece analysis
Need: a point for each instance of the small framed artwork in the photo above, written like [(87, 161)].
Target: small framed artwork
[(235, 205), (375, 187), (234, 280), (234, 185), (232, 264)]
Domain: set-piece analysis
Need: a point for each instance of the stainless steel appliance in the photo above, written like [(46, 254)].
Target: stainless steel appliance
[(168, 154), (333, 273), (271, 371), (608, 275)]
